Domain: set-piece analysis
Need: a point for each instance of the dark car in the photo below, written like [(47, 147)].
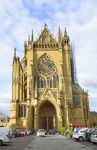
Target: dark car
[(52, 131), (15, 134)]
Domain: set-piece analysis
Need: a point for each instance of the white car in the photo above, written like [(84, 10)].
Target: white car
[(40, 132), (94, 137), (5, 135), (80, 134)]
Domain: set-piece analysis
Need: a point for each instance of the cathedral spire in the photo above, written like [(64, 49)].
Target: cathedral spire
[(59, 35), (66, 38), (32, 36), (45, 26), (14, 52), (25, 47), (65, 33)]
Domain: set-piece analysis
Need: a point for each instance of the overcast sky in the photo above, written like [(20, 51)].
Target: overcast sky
[(19, 17)]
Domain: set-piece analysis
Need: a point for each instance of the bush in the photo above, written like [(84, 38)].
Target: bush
[(62, 130)]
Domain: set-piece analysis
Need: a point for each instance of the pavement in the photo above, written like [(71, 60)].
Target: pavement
[(55, 142)]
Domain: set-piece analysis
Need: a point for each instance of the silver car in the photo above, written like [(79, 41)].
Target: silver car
[(94, 137), (40, 132), (5, 135)]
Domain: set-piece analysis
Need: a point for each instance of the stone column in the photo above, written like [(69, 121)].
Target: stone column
[(35, 118), (54, 121), (59, 118)]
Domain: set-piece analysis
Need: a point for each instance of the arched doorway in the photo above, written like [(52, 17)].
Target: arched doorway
[(47, 116)]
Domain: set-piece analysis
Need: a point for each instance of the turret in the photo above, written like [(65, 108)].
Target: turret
[(65, 38), (15, 76)]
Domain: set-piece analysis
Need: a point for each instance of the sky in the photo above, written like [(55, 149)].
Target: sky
[(19, 17)]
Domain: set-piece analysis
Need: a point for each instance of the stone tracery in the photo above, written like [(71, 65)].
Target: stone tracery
[(46, 73)]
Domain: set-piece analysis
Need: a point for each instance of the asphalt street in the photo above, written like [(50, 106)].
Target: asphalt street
[(49, 142), (55, 142)]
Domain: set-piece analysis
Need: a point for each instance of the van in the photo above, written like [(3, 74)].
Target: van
[(5, 135)]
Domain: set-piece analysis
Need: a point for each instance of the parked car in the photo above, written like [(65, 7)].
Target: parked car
[(80, 134), (77, 129), (21, 132), (88, 134), (30, 131), (5, 135), (40, 132), (16, 133), (52, 131), (94, 137)]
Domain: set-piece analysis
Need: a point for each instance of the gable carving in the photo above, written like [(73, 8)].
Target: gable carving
[(46, 40), (47, 95)]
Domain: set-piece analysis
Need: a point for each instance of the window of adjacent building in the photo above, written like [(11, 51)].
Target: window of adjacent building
[(76, 101)]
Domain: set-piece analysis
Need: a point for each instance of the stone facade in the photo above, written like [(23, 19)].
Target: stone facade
[(45, 93)]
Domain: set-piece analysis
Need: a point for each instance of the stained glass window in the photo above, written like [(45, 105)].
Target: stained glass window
[(46, 73), (46, 67)]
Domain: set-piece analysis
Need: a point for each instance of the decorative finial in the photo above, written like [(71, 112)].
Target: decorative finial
[(15, 52), (32, 36), (66, 38), (65, 32), (59, 35), (59, 29), (45, 26)]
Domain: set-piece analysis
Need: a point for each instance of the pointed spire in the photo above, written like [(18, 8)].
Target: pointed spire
[(66, 37), (59, 35), (32, 36), (14, 52), (65, 32), (45, 26), (25, 47)]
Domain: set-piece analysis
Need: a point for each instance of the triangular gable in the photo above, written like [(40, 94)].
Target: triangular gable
[(47, 94), (46, 37)]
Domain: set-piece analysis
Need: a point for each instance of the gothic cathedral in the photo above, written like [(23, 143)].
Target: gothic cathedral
[(45, 93)]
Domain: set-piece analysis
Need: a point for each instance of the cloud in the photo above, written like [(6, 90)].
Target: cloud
[(93, 103), (5, 104), (5, 108)]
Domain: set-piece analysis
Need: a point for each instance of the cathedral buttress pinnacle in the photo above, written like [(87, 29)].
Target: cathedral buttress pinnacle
[(59, 35), (14, 52)]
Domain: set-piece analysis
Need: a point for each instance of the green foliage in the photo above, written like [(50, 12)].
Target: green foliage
[(62, 130)]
